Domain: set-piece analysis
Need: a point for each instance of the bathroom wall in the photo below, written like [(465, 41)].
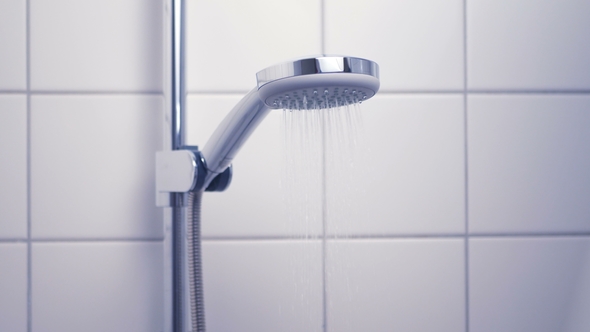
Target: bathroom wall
[(81, 115), (471, 208), (470, 212)]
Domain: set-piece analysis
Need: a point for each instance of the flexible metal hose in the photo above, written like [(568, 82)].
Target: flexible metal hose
[(193, 230), (178, 272)]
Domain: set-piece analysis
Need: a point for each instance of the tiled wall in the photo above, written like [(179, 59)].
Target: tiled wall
[(81, 113), (474, 214), (472, 208)]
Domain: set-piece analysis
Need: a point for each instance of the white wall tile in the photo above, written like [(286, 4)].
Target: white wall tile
[(13, 166), (418, 44), (92, 166), (528, 44), (396, 285), (97, 45), (528, 163), (535, 284), (410, 174), (13, 287), (254, 286), (253, 205), (13, 45), (98, 287), (229, 41)]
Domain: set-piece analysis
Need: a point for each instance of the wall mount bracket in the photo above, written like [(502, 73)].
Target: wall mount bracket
[(182, 171)]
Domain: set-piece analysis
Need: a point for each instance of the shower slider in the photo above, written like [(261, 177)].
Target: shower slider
[(176, 171), (181, 171)]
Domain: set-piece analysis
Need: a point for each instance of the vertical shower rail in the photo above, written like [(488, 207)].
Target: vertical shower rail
[(178, 92)]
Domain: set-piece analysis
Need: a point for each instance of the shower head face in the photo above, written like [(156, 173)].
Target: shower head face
[(318, 83)]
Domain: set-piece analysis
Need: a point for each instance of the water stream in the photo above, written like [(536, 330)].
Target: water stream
[(323, 151)]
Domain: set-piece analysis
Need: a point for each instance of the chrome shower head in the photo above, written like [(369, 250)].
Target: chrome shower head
[(311, 83), (318, 82)]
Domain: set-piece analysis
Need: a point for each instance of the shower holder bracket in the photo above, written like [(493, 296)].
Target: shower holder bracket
[(181, 171), (177, 171)]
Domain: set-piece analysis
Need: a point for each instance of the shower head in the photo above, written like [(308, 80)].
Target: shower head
[(318, 82), (321, 82)]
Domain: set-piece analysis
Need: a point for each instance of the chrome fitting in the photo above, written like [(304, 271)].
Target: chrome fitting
[(181, 171)]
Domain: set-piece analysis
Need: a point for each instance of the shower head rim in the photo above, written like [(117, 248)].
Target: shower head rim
[(317, 65)]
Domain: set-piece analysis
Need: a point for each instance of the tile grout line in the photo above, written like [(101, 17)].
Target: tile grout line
[(529, 235), (466, 163), (323, 26), (333, 237), (324, 197), (29, 224), (96, 240), (324, 233), (344, 237), (486, 91), (96, 93), (13, 92), (14, 241), (529, 91)]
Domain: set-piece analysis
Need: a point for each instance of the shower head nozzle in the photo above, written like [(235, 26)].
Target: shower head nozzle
[(318, 82)]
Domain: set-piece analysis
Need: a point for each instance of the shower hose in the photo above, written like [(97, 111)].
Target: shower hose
[(195, 275)]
